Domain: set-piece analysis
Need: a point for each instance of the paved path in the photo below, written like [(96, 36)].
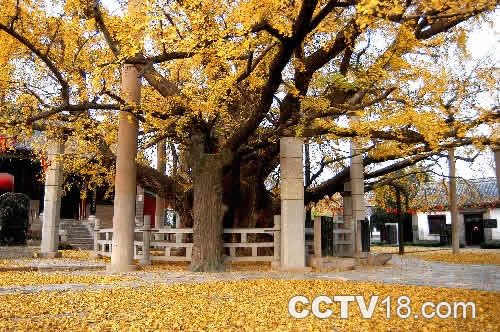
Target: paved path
[(408, 271), (414, 271), (16, 252)]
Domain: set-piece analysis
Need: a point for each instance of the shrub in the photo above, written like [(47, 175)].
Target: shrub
[(14, 223), (490, 244), (65, 246)]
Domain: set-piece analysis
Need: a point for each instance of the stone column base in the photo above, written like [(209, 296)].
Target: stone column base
[(275, 264), (121, 268), (292, 269), (95, 255), (56, 254), (145, 262)]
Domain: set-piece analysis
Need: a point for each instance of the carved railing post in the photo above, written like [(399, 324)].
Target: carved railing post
[(97, 227), (317, 237), (277, 241), (146, 241)]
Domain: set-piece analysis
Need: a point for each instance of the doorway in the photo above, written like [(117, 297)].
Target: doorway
[(474, 233)]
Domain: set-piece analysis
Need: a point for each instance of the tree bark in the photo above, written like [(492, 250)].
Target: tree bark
[(455, 236), (208, 208), (400, 222), (307, 176), (161, 165)]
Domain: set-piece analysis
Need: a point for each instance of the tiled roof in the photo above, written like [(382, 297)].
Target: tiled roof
[(469, 192)]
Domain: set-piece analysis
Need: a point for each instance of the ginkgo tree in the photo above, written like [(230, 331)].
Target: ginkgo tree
[(222, 81)]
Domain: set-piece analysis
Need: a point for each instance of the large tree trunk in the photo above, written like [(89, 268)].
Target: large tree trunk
[(248, 201), (208, 208)]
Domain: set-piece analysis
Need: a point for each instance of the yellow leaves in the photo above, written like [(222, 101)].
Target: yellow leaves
[(279, 13), (312, 105), (183, 267), (40, 278), (461, 37), (466, 256), (369, 10), (386, 149), (252, 305)]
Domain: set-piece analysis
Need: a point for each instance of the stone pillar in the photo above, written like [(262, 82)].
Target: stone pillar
[(122, 254), (414, 227), (317, 237), (97, 227), (496, 152), (177, 220), (146, 241), (277, 241), (357, 191), (461, 229), (292, 204), (347, 250), (92, 206), (160, 166), (52, 201)]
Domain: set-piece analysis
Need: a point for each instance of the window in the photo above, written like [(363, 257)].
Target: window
[(170, 218), (435, 223)]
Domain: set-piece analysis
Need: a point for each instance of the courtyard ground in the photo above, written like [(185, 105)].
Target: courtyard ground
[(247, 297)]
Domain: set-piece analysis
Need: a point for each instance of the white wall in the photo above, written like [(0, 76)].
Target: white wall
[(494, 214), (423, 225)]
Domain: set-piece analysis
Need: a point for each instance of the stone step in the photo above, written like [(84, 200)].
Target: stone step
[(76, 234), (81, 240), (342, 231), (82, 247), (75, 227), (342, 242), (69, 230)]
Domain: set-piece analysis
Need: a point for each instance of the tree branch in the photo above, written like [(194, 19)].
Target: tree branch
[(44, 58)]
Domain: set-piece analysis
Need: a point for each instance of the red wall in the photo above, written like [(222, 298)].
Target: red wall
[(149, 207)]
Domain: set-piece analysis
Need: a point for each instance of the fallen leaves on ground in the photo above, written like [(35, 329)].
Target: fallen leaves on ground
[(7, 263), (184, 266), (436, 254), (24, 278), (466, 256), (244, 305), (165, 267), (79, 255)]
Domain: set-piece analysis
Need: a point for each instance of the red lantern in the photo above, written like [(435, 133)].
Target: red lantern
[(6, 182), (45, 164)]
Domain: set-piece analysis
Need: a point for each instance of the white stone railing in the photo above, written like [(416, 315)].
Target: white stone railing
[(175, 244)]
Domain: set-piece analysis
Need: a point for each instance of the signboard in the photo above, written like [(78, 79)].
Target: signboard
[(490, 223)]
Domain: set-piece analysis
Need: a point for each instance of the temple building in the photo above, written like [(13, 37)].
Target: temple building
[(479, 212), (21, 172)]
